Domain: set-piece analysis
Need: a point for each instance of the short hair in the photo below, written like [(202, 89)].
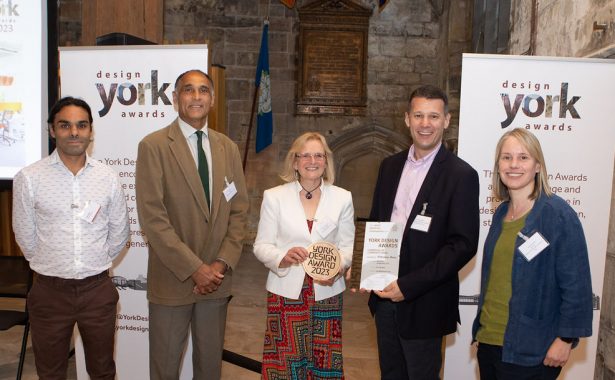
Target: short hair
[(289, 173), (69, 101), (182, 75), (532, 145), (429, 92)]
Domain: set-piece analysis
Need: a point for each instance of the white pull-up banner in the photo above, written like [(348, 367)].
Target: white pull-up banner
[(130, 91), (566, 103)]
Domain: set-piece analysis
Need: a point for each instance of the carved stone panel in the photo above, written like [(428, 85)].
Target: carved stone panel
[(333, 38)]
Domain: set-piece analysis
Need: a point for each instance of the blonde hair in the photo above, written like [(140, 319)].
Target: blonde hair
[(532, 145), (289, 173)]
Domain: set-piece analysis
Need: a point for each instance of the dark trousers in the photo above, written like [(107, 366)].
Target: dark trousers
[(405, 359), (55, 305), (492, 367)]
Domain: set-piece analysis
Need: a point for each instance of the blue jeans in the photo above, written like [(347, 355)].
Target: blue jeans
[(492, 367)]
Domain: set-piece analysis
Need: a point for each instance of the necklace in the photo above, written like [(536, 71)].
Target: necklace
[(308, 193), (522, 211)]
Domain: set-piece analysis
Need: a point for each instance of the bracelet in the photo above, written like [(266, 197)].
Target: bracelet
[(567, 340)]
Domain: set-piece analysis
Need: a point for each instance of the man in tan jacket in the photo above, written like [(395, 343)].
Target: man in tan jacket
[(192, 204)]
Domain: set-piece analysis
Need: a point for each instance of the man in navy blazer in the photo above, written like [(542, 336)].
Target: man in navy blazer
[(435, 195)]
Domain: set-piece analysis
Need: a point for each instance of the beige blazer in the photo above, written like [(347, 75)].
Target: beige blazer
[(181, 230)]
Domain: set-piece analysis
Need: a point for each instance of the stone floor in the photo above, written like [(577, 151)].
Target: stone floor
[(244, 332)]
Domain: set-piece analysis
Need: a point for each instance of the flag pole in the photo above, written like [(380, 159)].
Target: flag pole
[(245, 152), (256, 87), (257, 84)]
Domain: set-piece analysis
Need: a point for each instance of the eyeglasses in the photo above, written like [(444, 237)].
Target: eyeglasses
[(309, 156)]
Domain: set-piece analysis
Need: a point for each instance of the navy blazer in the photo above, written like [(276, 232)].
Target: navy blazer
[(430, 261)]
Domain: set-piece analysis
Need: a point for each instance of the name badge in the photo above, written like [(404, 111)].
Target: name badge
[(533, 245), (422, 221), (230, 190), (89, 212)]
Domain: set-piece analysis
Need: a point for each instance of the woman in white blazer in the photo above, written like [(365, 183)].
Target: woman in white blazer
[(303, 337)]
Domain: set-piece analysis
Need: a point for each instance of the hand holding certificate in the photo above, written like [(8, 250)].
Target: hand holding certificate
[(381, 250)]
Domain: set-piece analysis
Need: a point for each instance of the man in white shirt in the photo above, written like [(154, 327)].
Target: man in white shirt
[(70, 221)]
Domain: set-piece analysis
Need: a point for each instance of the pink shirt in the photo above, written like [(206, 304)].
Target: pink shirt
[(410, 183)]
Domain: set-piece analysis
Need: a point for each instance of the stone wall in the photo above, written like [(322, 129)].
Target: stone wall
[(605, 358), (565, 29), (409, 45), (411, 42)]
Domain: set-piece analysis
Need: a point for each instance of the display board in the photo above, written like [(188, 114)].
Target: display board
[(129, 89), (565, 103), (23, 84)]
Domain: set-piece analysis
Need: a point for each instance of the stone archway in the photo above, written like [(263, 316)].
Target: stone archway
[(358, 154)]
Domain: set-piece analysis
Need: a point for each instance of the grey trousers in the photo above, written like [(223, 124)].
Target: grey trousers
[(168, 334)]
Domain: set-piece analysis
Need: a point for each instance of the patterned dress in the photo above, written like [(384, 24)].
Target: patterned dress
[(303, 338)]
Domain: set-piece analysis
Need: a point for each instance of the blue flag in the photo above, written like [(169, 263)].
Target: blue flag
[(264, 117)]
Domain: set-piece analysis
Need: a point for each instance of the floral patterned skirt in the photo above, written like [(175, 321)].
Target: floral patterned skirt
[(303, 339)]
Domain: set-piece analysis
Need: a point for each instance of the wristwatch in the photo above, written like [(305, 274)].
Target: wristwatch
[(567, 340)]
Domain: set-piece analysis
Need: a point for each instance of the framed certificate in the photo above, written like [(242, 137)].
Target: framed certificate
[(381, 247)]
